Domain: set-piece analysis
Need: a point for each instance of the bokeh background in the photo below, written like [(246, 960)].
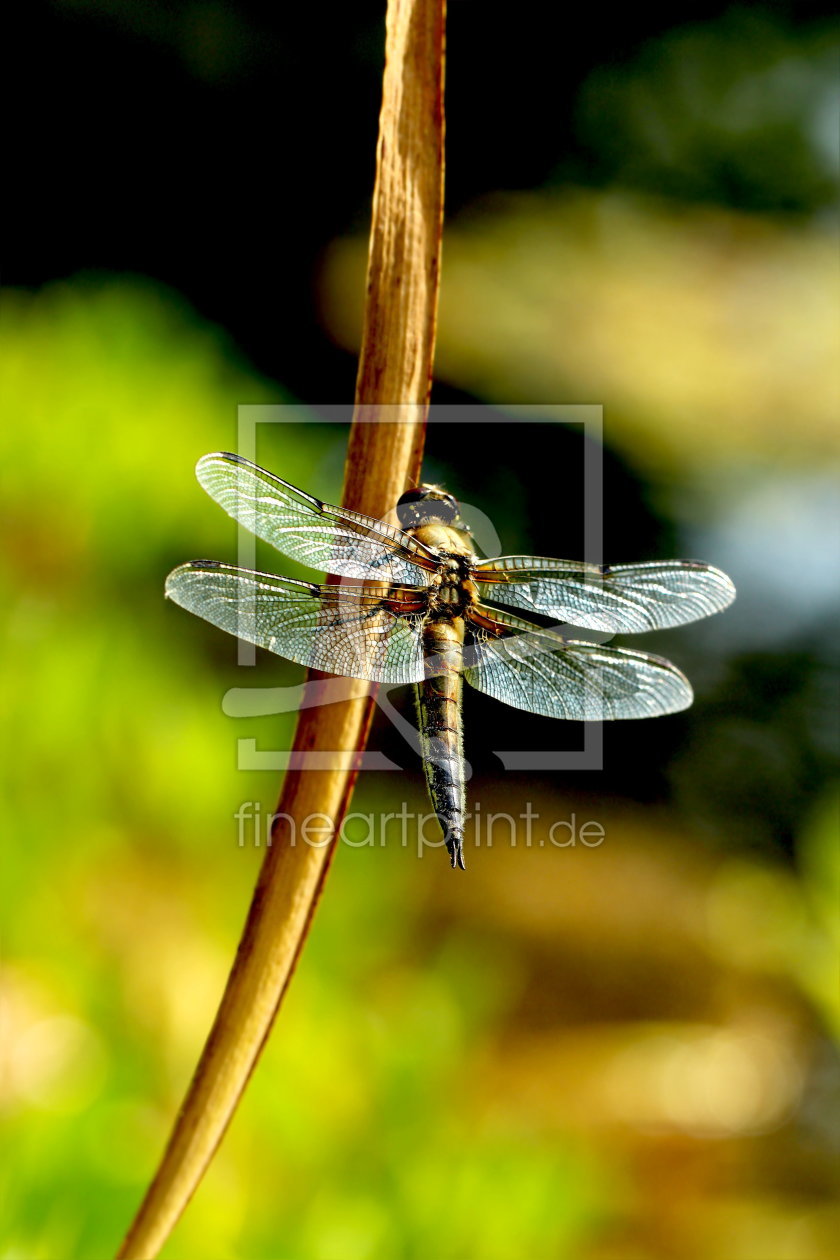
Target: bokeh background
[(625, 1052)]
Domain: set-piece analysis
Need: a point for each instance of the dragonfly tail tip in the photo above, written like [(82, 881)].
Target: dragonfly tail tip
[(456, 854)]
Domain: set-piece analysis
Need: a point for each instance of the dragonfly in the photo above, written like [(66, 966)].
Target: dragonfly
[(416, 604)]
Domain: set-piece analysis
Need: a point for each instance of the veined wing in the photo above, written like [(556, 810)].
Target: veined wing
[(621, 598), (541, 672), (342, 629), (327, 538)]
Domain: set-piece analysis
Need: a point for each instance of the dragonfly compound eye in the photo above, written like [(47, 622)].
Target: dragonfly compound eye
[(425, 504)]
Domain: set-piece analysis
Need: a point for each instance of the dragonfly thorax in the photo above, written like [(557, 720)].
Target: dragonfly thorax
[(453, 591)]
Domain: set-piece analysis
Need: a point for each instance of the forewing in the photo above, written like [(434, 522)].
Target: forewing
[(341, 629), (616, 599), (541, 672), (330, 539)]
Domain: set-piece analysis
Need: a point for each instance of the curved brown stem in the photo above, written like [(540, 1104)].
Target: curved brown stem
[(383, 457)]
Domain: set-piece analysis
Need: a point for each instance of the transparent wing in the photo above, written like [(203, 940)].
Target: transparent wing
[(326, 538), (540, 672), (617, 599), (342, 629)]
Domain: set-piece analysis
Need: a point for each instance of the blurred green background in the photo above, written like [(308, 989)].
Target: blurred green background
[(626, 1052)]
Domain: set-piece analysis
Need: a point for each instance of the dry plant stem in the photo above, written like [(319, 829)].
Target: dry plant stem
[(383, 458)]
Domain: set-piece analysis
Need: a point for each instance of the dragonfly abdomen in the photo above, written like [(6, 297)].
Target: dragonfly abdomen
[(441, 730)]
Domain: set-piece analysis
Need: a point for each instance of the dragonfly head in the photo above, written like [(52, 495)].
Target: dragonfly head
[(426, 505)]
